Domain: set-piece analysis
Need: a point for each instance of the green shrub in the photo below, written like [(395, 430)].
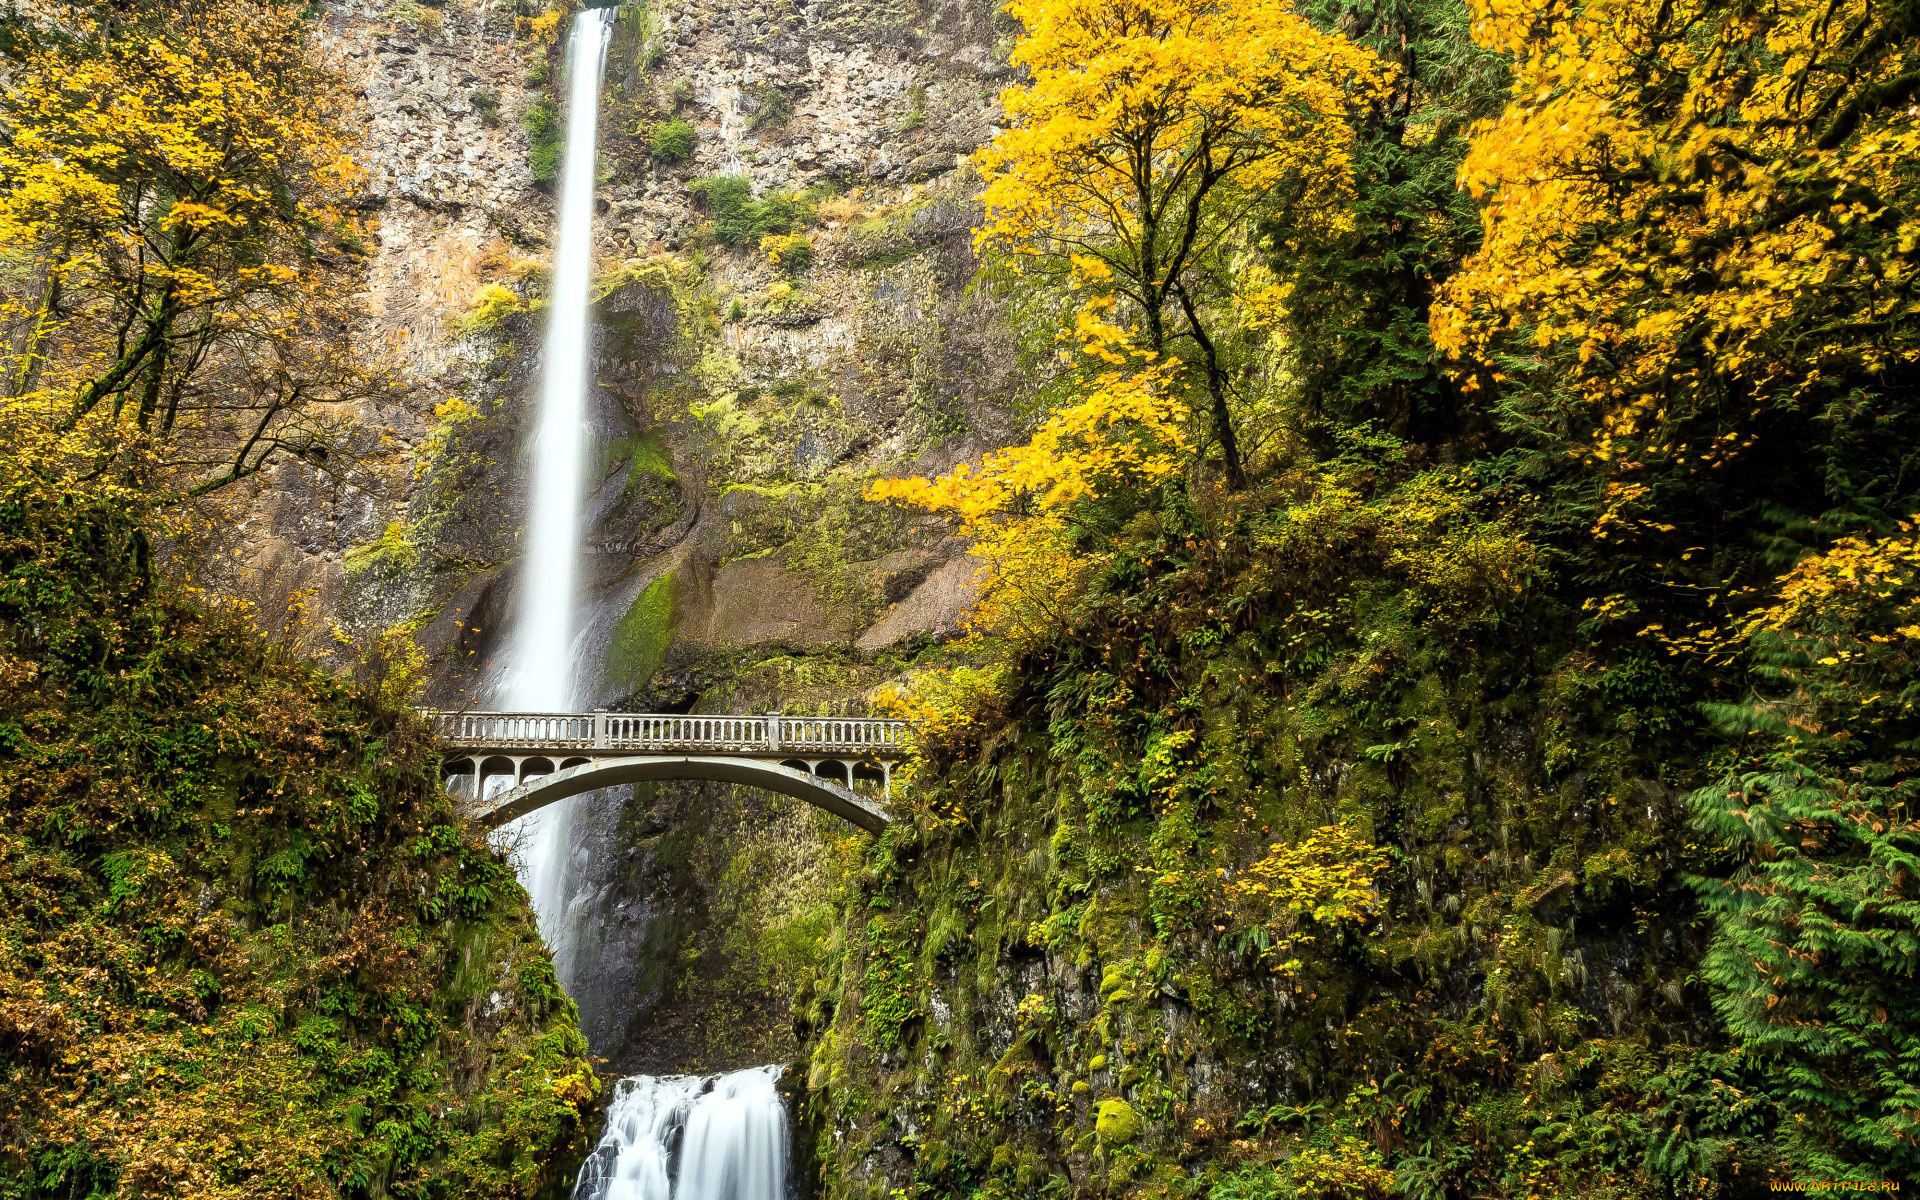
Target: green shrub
[(792, 253), (486, 102), (671, 140), (916, 117), (739, 219), (772, 106), (542, 124)]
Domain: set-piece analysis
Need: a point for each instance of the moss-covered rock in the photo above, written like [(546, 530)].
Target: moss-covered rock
[(1320, 904), (247, 948), (1116, 1122), (640, 639)]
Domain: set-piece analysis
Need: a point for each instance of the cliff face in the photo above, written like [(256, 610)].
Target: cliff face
[(726, 379), (761, 352), (448, 185)]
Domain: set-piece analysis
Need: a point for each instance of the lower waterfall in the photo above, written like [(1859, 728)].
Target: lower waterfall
[(688, 1137)]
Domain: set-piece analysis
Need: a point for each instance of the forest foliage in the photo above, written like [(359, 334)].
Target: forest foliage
[(1530, 487)]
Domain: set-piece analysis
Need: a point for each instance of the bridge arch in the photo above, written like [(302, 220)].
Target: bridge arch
[(538, 792)]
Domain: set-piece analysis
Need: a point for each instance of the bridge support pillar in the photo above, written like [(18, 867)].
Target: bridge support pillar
[(886, 779)]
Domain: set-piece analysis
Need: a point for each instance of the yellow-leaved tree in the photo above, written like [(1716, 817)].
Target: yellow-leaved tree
[(173, 198), (1702, 236), (1125, 429), (1146, 135)]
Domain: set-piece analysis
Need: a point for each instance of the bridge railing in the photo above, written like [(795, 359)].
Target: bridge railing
[(843, 733), (510, 730), (611, 732)]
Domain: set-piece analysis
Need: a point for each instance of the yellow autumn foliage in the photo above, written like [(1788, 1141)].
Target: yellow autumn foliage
[(944, 706), (1852, 577), (543, 30), (1700, 210), (1144, 135), (1326, 881), (1124, 430), (1131, 103), (177, 191)]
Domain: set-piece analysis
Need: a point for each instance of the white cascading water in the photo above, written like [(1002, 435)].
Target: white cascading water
[(541, 659), (683, 1137)]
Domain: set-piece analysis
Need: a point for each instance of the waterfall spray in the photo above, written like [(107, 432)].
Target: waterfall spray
[(541, 662)]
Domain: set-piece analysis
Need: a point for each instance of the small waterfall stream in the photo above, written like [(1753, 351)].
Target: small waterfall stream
[(671, 1137), (684, 1137)]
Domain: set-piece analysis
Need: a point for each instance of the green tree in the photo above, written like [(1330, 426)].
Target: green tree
[(1816, 948)]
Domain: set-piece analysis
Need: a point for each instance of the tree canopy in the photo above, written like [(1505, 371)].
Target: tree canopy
[(175, 184)]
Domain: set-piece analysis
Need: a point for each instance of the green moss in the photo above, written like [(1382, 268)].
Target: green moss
[(1117, 1123), (645, 455), (392, 553), (488, 311), (640, 639)]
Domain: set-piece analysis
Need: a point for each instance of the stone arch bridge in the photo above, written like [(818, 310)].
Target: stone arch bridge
[(841, 764)]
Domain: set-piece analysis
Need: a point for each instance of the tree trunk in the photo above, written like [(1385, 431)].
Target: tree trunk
[(1217, 390)]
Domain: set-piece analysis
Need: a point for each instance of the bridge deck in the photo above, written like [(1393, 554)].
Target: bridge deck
[(598, 734)]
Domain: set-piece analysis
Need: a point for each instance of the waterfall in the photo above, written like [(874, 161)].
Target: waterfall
[(670, 1137), (541, 661), (683, 1137)]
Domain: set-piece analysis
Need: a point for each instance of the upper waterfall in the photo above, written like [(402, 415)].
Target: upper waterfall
[(541, 666)]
